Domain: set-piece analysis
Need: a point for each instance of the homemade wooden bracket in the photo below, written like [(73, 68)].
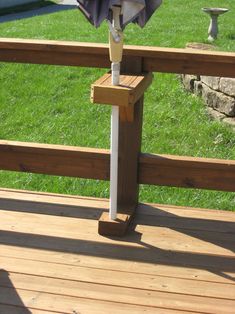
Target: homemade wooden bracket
[(125, 95), (128, 95), (117, 227)]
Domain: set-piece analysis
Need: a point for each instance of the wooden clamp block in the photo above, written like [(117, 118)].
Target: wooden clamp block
[(125, 95), (117, 227)]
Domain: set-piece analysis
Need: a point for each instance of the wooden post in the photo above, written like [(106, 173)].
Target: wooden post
[(130, 131), (130, 134), (129, 148)]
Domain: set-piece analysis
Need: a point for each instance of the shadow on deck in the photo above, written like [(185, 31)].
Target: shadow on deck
[(174, 258)]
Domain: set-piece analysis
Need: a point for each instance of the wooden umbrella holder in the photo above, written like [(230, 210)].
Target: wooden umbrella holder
[(128, 95)]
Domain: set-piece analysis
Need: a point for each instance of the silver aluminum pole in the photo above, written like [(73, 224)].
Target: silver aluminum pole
[(116, 44)]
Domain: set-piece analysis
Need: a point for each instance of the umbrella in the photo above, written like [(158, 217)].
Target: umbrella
[(138, 11), (118, 14)]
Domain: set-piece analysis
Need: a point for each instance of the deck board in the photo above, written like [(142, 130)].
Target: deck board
[(174, 260)]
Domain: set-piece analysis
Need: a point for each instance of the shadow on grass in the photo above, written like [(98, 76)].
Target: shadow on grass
[(53, 8), (231, 36)]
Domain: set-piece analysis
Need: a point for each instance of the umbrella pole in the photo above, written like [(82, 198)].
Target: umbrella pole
[(116, 47), (114, 162), (114, 147)]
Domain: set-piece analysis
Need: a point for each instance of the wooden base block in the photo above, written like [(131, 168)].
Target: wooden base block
[(117, 227)]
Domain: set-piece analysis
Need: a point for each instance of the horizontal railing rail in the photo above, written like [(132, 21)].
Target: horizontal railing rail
[(58, 160), (90, 163), (187, 172), (154, 59)]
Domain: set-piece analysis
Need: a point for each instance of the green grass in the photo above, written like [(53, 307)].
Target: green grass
[(50, 104)]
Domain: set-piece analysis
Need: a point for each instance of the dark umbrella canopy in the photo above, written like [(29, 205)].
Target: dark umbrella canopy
[(137, 11)]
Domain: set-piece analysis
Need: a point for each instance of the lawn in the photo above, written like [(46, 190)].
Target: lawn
[(51, 104)]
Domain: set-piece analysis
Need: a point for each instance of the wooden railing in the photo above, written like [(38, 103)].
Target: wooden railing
[(153, 59), (134, 166), (91, 163)]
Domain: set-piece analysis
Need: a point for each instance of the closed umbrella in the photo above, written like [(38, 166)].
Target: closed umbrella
[(118, 14), (138, 11)]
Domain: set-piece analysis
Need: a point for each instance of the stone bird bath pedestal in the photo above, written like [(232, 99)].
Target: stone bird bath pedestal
[(213, 27)]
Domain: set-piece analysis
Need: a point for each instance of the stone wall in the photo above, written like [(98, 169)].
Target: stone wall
[(217, 92), (11, 3)]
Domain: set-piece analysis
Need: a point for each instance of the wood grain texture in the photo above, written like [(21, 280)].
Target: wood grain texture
[(166, 170), (207, 237), (130, 136), (175, 260), (12, 309), (127, 93), (155, 59), (54, 160), (117, 227), (65, 304), (188, 172), (115, 295), (84, 262)]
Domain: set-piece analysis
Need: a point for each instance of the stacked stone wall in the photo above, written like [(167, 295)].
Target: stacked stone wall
[(217, 92)]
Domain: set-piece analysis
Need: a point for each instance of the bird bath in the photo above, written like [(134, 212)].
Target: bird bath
[(213, 27)]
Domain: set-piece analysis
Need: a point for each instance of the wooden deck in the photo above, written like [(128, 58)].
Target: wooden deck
[(174, 260)]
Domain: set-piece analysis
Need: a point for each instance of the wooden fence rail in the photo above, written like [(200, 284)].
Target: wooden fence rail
[(166, 170), (154, 59), (55, 160), (187, 172)]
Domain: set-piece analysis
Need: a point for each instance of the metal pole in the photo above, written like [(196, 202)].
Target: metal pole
[(116, 44), (114, 162)]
